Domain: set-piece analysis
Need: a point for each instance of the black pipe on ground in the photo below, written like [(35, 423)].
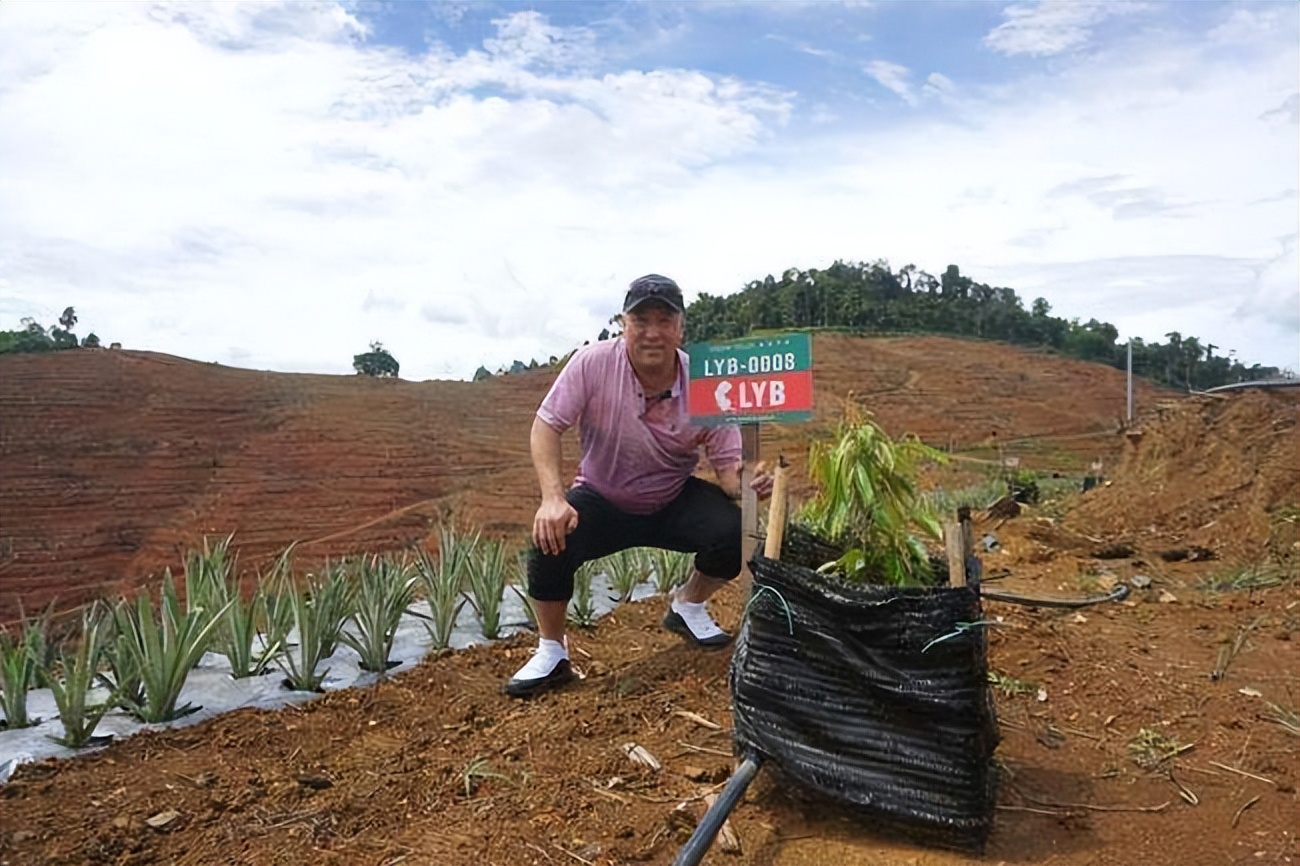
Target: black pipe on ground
[(1119, 593), (696, 846)]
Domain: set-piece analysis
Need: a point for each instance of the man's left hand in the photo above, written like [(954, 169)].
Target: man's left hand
[(761, 483)]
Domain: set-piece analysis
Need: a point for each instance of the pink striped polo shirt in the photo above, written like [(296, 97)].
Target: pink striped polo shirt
[(637, 453)]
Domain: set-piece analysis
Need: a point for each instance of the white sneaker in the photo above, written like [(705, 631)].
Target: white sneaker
[(691, 620), (546, 668)]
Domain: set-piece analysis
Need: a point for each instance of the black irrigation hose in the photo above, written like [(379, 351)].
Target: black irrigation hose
[(1119, 593), (696, 847)]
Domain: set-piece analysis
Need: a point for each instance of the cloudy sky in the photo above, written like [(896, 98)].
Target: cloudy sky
[(275, 185)]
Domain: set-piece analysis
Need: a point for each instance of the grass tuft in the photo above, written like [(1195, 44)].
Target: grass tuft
[(1287, 718), (626, 569), (207, 571), (253, 630), (1246, 578), (1150, 748), (519, 586), (1009, 685), (977, 496), (475, 772)]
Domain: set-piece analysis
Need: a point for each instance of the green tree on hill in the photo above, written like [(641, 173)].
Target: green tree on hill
[(378, 362), (35, 337)]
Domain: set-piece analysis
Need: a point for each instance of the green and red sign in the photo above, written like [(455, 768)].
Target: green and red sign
[(762, 379)]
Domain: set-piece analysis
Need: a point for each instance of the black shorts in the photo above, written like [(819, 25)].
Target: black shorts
[(701, 520)]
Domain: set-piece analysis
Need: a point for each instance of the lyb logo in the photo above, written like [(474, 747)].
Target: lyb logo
[(720, 396), (749, 395)]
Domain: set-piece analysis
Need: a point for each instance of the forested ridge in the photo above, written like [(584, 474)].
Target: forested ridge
[(873, 299), (864, 299)]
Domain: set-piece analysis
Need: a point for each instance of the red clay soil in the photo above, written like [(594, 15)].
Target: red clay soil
[(436, 766)]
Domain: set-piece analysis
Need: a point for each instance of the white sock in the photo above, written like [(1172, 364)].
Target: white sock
[(553, 648), (686, 606)]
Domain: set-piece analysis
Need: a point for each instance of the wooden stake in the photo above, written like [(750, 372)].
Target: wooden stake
[(954, 545), (967, 541), (776, 513), (967, 535), (748, 498)]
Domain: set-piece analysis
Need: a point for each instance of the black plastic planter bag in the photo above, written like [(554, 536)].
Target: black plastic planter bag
[(875, 696)]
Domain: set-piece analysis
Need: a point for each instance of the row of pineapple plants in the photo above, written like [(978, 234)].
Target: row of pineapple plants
[(136, 655), (624, 572)]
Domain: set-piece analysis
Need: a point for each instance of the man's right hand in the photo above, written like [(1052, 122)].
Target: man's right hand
[(555, 519)]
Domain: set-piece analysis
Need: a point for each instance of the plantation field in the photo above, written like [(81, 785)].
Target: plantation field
[(1158, 730), (116, 462)]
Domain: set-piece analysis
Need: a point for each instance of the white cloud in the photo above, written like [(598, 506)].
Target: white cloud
[(1140, 189), (1124, 198), (278, 192), (376, 301), (527, 39), (1287, 112), (157, 174), (939, 85), (272, 26), (1159, 159), (893, 78), (1051, 26), (1247, 25)]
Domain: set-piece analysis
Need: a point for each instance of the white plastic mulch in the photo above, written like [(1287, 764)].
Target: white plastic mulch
[(211, 687)]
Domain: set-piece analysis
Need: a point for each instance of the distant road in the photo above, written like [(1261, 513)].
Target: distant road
[(1258, 383)]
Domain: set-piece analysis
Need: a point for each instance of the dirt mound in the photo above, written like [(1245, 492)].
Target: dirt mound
[(1218, 473), (115, 462)]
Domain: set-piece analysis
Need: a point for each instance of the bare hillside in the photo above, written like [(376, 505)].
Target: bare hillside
[(113, 462)]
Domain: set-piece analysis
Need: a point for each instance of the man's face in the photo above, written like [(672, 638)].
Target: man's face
[(653, 333)]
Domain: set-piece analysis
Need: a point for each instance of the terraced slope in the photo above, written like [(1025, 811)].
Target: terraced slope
[(113, 462)]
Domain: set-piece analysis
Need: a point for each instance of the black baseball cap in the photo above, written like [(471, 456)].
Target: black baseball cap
[(653, 287)]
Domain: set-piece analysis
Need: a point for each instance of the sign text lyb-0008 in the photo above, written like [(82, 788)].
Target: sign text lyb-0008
[(754, 365), (765, 379)]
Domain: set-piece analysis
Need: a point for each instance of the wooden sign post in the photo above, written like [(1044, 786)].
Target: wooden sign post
[(748, 498), (747, 382)]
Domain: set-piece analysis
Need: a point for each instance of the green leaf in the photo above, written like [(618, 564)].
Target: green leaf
[(867, 501)]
